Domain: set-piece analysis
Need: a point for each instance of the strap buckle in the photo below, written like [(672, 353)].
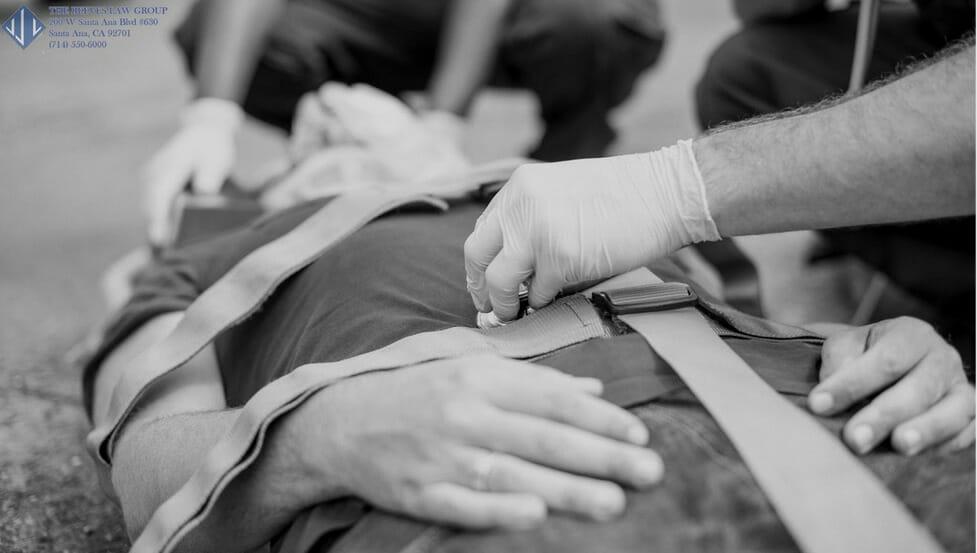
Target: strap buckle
[(664, 296)]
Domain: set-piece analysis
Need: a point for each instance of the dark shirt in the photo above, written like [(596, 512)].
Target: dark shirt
[(403, 274)]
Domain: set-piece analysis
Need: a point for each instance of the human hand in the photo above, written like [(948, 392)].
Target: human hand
[(201, 153), (477, 442), (558, 224), (925, 398)]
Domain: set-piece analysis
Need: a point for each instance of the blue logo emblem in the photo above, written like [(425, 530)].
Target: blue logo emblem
[(23, 26)]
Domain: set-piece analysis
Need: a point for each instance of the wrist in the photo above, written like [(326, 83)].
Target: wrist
[(308, 441), (215, 113), (674, 191), (729, 209), (298, 459)]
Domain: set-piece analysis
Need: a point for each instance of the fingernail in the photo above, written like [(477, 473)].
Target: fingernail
[(911, 440), (529, 515), (591, 385), (862, 435), (649, 470), (487, 321), (821, 402), (638, 434), (609, 506)]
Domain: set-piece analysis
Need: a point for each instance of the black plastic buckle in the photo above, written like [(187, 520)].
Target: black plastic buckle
[(644, 299)]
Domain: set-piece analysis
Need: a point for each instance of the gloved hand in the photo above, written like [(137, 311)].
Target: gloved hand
[(201, 152), (559, 224)]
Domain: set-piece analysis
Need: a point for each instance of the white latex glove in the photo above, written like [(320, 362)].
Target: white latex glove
[(201, 153), (558, 224)]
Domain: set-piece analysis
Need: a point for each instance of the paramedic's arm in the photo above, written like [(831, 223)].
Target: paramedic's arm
[(469, 43), (749, 11), (167, 438), (901, 152), (230, 37)]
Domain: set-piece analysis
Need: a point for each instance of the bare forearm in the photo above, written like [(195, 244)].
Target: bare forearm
[(155, 459), (231, 37), (902, 152), (467, 53)]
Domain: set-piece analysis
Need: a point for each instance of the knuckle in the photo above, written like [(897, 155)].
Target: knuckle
[(914, 325), (891, 363), (949, 359), (563, 405), (573, 498), (407, 497), (550, 446)]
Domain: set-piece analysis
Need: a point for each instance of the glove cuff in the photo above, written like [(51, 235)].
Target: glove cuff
[(675, 169), (214, 113)]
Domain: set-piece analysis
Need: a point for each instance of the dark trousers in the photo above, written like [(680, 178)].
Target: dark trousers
[(580, 58), (772, 66)]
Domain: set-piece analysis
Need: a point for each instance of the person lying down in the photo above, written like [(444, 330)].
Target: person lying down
[(595, 447)]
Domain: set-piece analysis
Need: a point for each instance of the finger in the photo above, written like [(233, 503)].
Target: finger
[(481, 247), (502, 278), (841, 349), (571, 449), (941, 423), (597, 499), (162, 189), (892, 352), (545, 285), (917, 392), (569, 406), (458, 505)]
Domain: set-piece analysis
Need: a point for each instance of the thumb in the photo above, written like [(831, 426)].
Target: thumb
[(503, 278)]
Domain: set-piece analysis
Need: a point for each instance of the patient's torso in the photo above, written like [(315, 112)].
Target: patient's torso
[(404, 274)]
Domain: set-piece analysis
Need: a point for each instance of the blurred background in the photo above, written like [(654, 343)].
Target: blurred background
[(77, 125)]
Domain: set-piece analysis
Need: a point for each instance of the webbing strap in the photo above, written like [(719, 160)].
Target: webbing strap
[(569, 321), (238, 294), (828, 500), (241, 291)]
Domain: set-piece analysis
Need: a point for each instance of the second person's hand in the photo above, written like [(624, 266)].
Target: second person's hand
[(200, 153)]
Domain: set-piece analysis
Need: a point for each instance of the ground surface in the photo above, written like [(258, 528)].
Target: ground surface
[(76, 126)]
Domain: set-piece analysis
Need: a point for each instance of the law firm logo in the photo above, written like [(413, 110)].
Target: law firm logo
[(23, 26)]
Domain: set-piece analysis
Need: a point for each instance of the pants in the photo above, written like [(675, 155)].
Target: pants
[(768, 67), (580, 58)]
